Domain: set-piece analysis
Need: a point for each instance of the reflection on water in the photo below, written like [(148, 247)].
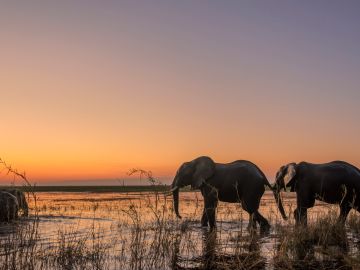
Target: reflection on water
[(140, 231), (212, 256)]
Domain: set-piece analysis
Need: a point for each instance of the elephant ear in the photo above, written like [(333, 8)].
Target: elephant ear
[(290, 174), (204, 169)]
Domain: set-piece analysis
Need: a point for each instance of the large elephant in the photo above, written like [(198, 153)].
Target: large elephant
[(20, 196), (336, 182), (8, 207), (238, 181)]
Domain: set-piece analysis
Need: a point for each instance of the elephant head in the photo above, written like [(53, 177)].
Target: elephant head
[(20, 196), (193, 173), (8, 206), (285, 177)]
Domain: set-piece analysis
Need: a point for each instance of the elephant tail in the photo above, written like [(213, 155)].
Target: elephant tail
[(276, 193)]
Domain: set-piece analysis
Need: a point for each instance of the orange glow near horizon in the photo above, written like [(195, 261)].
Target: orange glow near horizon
[(89, 92)]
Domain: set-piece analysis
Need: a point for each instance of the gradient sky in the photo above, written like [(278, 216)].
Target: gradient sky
[(90, 89)]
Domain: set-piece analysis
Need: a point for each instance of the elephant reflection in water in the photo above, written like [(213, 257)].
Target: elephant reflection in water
[(213, 258)]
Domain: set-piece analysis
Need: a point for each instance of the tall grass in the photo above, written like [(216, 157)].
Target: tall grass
[(323, 244), (160, 241), (146, 234)]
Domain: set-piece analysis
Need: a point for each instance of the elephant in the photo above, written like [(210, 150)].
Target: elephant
[(240, 181), (336, 182), (20, 196), (9, 207)]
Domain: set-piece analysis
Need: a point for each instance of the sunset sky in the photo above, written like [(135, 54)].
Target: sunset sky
[(90, 89)]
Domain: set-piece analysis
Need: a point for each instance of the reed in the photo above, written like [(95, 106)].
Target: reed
[(145, 234)]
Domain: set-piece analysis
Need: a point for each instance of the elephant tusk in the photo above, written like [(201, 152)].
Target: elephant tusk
[(167, 193), (173, 189)]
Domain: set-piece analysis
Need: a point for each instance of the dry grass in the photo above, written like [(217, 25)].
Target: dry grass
[(323, 244), (157, 240)]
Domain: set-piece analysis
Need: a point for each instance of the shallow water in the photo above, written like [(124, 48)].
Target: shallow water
[(140, 231)]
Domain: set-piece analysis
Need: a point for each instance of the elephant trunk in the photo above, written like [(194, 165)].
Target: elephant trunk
[(277, 195), (176, 202), (25, 208), (175, 191)]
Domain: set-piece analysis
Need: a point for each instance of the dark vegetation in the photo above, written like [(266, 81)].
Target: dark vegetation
[(163, 242), (97, 189)]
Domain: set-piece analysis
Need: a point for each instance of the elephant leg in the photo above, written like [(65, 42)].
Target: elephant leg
[(300, 215), (344, 211), (210, 209), (304, 200), (252, 222), (264, 224), (210, 213), (204, 219), (250, 203), (210, 200)]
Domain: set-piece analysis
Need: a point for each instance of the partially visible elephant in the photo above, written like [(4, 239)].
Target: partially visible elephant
[(237, 182), (336, 182), (20, 196), (9, 207)]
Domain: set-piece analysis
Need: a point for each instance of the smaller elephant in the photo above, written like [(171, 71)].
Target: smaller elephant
[(20, 196), (336, 182), (9, 207)]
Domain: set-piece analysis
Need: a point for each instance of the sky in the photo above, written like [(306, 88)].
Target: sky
[(91, 89)]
